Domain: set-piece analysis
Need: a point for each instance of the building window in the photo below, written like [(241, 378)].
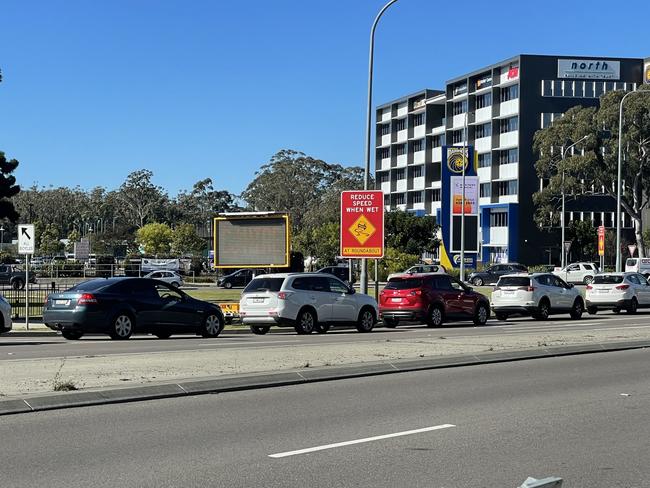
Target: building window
[(437, 141), (486, 190), (485, 160), (401, 149), (417, 171), (460, 88), (547, 88), (417, 145), (510, 124), (507, 187), (385, 153), (548, 119), (484, 81), (484, 130), (499, 219), (435, 195), (459, 107), (458, 136), (400, 124), (399, 199), (599, 89), (509, 93), (484, 100), (383, 177), (418, 119), (399, 174), (385, 129), (417, 197), (509, 156)]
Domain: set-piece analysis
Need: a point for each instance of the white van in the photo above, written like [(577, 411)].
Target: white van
[(638, 265)]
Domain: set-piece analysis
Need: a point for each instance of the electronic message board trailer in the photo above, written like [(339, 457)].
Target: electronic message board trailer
[(251, 240)]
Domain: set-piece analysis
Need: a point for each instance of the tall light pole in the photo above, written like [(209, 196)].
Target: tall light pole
[(462, 200), (564, 152), (2, 237), (618, 178), (366, 176)]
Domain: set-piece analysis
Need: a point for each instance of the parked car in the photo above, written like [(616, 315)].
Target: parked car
[(341, 272), (5, 311), (638, 265), (15, 276), (537, 294), (170, 277), (582, 273), (307, 301), (241, 277), (420, 269), (492, 274), (431, 298), (618, 291), (120, 307)]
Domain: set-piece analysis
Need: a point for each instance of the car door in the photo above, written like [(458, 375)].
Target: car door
[(142, 297), (493, 273), (644, 289), (344, 306), (465, 301), (564, 296), (321, 297), (175, 308), (443, 286)]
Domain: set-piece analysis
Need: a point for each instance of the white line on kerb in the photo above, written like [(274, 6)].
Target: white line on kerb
[(359, 441)]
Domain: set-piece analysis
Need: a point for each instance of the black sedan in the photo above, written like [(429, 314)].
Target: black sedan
[(492, 274), (120, 307)]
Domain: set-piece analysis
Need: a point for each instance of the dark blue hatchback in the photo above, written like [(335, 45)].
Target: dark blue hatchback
[(120, 307)]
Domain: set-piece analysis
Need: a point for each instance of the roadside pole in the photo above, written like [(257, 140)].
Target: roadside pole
[(27, 291), (377, 280), (26, 247)]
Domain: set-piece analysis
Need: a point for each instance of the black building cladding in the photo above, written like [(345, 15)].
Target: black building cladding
[(525, 93)]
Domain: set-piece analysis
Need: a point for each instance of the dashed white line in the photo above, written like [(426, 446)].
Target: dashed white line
[(359, 441)]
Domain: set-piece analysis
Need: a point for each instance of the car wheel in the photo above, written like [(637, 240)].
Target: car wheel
[(227, 285), (72, 335), (482, 314), (477, 281), (212, 325), (592, 310), (633, 306), (543, 310), (306, 322), (577, 309), (502, 316), (122, 326), (176, 284), (587, 280), (259, 329), (390, 323), (18, 284), (435, 318), (163, 334), (322, 328), (366, 320)]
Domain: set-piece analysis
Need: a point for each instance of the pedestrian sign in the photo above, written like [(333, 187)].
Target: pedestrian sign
[(362, 224), (26, 239)]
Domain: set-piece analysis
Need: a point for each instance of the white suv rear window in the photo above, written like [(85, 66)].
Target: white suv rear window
[(514, 281), (264, 284)]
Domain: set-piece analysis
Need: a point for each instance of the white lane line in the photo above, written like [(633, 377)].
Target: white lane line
[(359, 441)]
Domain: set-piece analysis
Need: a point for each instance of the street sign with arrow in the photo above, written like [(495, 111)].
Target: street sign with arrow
[(26, 239)]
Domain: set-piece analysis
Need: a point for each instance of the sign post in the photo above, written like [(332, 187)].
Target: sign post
[(362, 224), (567, 246), (26, 246), (601, 246)]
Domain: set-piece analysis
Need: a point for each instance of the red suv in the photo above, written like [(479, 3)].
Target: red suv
[(431, 298)]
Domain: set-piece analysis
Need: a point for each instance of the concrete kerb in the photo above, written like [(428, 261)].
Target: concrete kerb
[(54, 401)]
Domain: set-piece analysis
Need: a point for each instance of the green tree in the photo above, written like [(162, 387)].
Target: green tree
[(73, 237), (592, 168), (395, 261), (49, 243), (8, 188), (583, 237), (140, 199), (186, 241), (321, 243), (409, 233), (155, 238)]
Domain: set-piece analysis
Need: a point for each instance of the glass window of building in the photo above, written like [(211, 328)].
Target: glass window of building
[(599, 89), (384, 177), (401, 149), (459, 107), (385, 153), (435, 195), (579, 89), (399, 174), (417, 197), (484, 130), (418, 119), (460, 88), (400, 124), (589, 89), (437, 141), (385, 129), (499, 219), (509, 125), (509, 93), (399, 199), (417, 171), (485, 160), (547, 88), (484, 100), (486, 190), (417, 145), (509, 156)]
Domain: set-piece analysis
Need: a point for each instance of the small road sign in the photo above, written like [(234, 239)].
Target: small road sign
[(26, 239), (601, 240), (567, 246)]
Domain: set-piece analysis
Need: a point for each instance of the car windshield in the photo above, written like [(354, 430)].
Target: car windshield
[(94, 285), (630, 262), (404, 283), (264, 284), (607, 279), (514, 281)]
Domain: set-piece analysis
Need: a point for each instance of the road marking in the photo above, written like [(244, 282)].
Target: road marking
[(359, 441)]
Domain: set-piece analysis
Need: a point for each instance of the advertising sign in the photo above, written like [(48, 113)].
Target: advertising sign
[(26, 239), (646, 71), (588, 69), (601, 240), (362, 224), (471, 195)]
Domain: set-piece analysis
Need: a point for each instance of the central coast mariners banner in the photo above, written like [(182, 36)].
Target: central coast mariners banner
[(454, 159)]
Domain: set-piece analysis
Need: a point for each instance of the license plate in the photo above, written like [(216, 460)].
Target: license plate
[(257, 300), (508, 292), (64, 303), (396, 300), (603, 291)]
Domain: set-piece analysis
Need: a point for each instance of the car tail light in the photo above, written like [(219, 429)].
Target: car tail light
[(416, 293), (530, 288), (283, 295), (622, 287), (87, 299), (589, 287)]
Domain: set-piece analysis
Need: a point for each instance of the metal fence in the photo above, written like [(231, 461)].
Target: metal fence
[(37, 295)]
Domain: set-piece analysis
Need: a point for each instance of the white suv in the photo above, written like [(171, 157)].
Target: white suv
[(617, 291), (307, 301), (577, 273), (538, 294)]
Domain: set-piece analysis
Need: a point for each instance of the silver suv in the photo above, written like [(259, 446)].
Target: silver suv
[(307, 301)]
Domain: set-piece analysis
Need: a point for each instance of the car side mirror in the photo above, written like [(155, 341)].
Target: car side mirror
[(351, 291), (570, 285)]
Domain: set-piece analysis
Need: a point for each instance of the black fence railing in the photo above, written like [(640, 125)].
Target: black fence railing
[(37, 295)]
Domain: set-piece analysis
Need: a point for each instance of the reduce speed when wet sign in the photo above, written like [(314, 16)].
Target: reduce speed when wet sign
[(362, 224)]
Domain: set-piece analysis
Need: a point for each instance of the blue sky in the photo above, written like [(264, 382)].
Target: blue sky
[(196, 89)]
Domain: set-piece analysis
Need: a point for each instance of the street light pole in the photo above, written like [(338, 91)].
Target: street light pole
[(462, 200), (366, 176), (618, 178), (2, 237)]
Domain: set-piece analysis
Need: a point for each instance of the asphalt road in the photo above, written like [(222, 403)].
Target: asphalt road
[(55, 346), (583, 418)]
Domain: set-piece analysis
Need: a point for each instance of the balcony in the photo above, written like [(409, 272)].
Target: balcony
[(418, 183), (436, 154), (385, 115), (458, 121), (401, 186), (418, 132), (402, 135), (401, 160), (418, 157), (498, 236), (511, 107), (384, 164), (385, 187), (483, 145), (484, 174), (385, 140), (483, 114), (508, 199), (402, 109), (509, 139), (509, 171)]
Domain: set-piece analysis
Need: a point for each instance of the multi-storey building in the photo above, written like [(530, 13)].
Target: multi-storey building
[(502, 106)]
